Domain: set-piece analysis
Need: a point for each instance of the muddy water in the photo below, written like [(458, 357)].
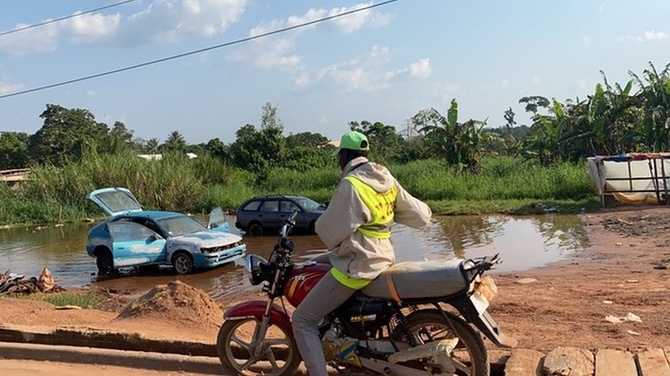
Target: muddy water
[(523, 243)]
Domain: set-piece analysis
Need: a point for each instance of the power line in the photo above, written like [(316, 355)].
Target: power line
[(173, 57), (63, 18)]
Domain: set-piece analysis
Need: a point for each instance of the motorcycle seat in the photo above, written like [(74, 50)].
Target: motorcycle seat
[(418, 279)]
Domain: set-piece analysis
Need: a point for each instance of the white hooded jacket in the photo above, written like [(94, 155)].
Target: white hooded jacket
[(352, 252)]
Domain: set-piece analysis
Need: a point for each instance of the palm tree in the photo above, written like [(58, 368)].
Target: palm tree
[(175, 142)]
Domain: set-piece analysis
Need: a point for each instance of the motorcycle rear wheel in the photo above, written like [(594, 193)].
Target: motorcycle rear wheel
[(469, 357), (235, 347)]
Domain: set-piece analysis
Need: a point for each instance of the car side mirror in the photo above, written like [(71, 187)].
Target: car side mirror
[(152, 238), (213, 225)]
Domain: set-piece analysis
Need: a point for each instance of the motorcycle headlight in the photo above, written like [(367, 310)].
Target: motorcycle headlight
[(258, 268)]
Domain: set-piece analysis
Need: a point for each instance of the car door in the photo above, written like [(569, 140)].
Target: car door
[(271, 216), (217, 221), (134, 244)]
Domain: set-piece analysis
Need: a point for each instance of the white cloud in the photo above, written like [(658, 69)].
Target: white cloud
[(276, 55), (505, 82), (91, 28), (38, 40), (421, 69), (90, 93), (536, 79), (379, 52), (356, 74), (7, 88), (586, 40), (169, 20), (353, 22), (448, 92), (655, 35), (345, 24), (280, 53), (303, 80), (160, 21), (350, 78), (649, 35)]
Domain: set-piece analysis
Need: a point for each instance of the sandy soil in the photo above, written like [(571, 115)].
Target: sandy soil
[(624, 270)]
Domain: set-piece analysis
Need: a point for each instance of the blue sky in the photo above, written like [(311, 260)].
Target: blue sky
[(385, 64)]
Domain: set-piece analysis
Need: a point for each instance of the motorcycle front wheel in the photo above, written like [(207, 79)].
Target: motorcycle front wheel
[(469, 358), (236, 344)]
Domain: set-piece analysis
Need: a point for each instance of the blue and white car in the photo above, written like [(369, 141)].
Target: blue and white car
[(132, 237)]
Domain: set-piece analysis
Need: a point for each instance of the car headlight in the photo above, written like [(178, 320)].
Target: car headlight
[(258, 268), (221, 248)]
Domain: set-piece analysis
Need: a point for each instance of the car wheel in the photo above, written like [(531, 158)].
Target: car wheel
[(105, 262), (255, 229), (182, 263)]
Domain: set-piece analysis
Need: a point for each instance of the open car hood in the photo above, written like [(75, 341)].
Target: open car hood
[(115, 201)]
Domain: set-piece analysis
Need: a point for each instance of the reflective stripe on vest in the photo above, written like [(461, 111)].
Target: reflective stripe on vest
[(350, 282), (380, 204)]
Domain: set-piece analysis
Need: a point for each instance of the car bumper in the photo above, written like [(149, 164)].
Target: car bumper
[(209, 260)]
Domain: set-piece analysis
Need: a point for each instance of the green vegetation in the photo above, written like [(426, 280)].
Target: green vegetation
[(503, 184), (83, 300), (457, 166)]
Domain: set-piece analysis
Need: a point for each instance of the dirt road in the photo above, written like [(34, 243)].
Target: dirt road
[(621, 276)]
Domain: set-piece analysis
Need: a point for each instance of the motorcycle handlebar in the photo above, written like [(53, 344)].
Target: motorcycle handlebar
[(285, 242)]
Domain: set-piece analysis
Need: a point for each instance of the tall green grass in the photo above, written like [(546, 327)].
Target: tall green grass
[(176, 183)]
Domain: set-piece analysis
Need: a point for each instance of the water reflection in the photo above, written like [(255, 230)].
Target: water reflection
[(523, 242), (26, 250)]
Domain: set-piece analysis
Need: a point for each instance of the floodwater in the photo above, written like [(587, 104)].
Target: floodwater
[(523, 243)]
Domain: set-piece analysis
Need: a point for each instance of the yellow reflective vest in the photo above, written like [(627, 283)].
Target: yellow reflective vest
[(380, 204)]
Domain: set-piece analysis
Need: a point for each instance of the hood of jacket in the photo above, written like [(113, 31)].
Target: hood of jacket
[(375, 175)]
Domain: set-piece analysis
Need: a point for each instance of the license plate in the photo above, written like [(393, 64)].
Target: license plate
[(479, 301)]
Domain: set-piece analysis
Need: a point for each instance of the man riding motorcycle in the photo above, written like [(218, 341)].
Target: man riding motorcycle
[(356, 228)]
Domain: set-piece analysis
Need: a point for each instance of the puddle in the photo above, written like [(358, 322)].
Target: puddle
[(523, 243)]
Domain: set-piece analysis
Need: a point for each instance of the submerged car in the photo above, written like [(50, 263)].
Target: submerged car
[(132, 237), (261, 214)]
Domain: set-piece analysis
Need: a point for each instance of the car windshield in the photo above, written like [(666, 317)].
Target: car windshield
[(180, 225), (308, 204)]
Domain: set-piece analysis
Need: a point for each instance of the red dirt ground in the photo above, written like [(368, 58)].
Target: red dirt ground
[(624, 270)]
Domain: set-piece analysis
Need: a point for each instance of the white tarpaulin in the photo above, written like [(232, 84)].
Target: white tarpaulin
[(631, 178)]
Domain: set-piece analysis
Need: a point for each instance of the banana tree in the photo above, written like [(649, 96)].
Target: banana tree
[(609, 121), (655, 94), (460, 144), (546, 139)]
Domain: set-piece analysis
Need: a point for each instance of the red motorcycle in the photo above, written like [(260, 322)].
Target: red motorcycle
[(416, 318)]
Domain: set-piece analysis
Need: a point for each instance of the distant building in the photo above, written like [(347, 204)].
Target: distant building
[(158, 157)]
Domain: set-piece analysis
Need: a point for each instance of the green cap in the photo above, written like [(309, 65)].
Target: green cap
[(353, 140)]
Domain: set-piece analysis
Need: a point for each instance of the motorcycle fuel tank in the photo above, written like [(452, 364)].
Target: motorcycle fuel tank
[(302, 280)]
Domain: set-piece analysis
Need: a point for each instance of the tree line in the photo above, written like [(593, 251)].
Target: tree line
[(615, 119)]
